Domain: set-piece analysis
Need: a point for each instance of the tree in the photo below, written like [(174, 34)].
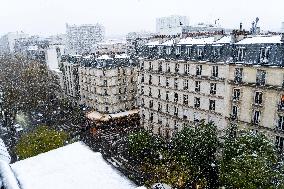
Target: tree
[(250, 161), (196, 148), (41, 140)]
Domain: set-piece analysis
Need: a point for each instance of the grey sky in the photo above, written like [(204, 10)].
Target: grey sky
[(121, 16)]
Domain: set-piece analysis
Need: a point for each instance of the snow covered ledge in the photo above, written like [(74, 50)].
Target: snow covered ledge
[(7, 177)]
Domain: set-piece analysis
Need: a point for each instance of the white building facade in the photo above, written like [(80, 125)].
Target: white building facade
[(171, 25)]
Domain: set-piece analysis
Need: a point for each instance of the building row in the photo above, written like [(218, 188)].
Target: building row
[(234, 80), (106, 84)]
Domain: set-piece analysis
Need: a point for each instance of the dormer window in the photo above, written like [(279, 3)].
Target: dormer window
[(264, 54), (200, 53), (178, 50), (188, 51), (216, 52), (169, 50), (241, 54), (160, 50)]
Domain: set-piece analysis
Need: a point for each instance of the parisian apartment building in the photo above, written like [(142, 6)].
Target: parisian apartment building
[(107, 84), (83, 39), (233, 80)]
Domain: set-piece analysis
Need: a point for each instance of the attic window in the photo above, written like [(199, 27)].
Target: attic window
[(264, 54)]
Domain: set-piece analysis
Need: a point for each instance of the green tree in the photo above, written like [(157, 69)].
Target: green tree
[(250, 161), (196, 148), (41, 140)]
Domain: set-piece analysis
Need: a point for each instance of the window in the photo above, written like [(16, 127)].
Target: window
[(159, 121), (241, 54), (150, 91), (236, 94), (281, 104), (168, 69), (185, 113), (142, 65), (238, 75), (176, 67), (280, 123), (198, 70), (167, 108), (106, 109), (213, 88), (279, 142), (159, 106), (264, 55), (188, 51), (234, 112), (151, 117), (258, 98), (186, 68), (105, 82), (260, 77), (160, 66), (150, 79), (167, 95), (151, 104), (197, 102), (160, 50), (214, 71), (256, 117), (216, 52), (169, 50), (197, 86), (150, 66), (142, 90), (200, 53), (159, 80), (212, 105), (105, 91), (159, 93), (142, 102), (185, 99), (178, 50), (185, 84), (176, 97), (175, 83), (167, 82), (176, 111)]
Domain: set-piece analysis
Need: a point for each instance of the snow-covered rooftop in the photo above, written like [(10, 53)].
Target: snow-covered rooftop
[(196, 41), (73, 166), (121, 56), (260, 39), (105, 117), (104, 57), (4, 154), (153, 43), (224, 40), (168, 43)]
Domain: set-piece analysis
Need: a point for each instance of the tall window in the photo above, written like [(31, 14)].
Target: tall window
[(185, 99), (159, 80), (200, 53), (188, 51), (280, 123), (186, 68), (185, 84), (150, 66), (234, 112), (167, 95), (176, 97), (160, 50), (167, 82), (151, 104), (142, 90), (159, 93), (151, 117), (241, 54), (281, 104), (142, 65), (238, 75), (258, 98), (176, 67), (256, 117), (198, 70), (175, 83), (168, 68), (178, 49), (169, 50), (160, 66), (236, 94), (279, 142), (159, 106), (212, 105), (150, 79), (176, 111), (264, 54), (260, 77), (215, 71), (197, 86), (213, 87), (150, 91), (216, 52), (197, 102), (167, 108)]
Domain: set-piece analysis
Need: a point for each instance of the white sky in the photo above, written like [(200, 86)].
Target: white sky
[(46, 17)]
